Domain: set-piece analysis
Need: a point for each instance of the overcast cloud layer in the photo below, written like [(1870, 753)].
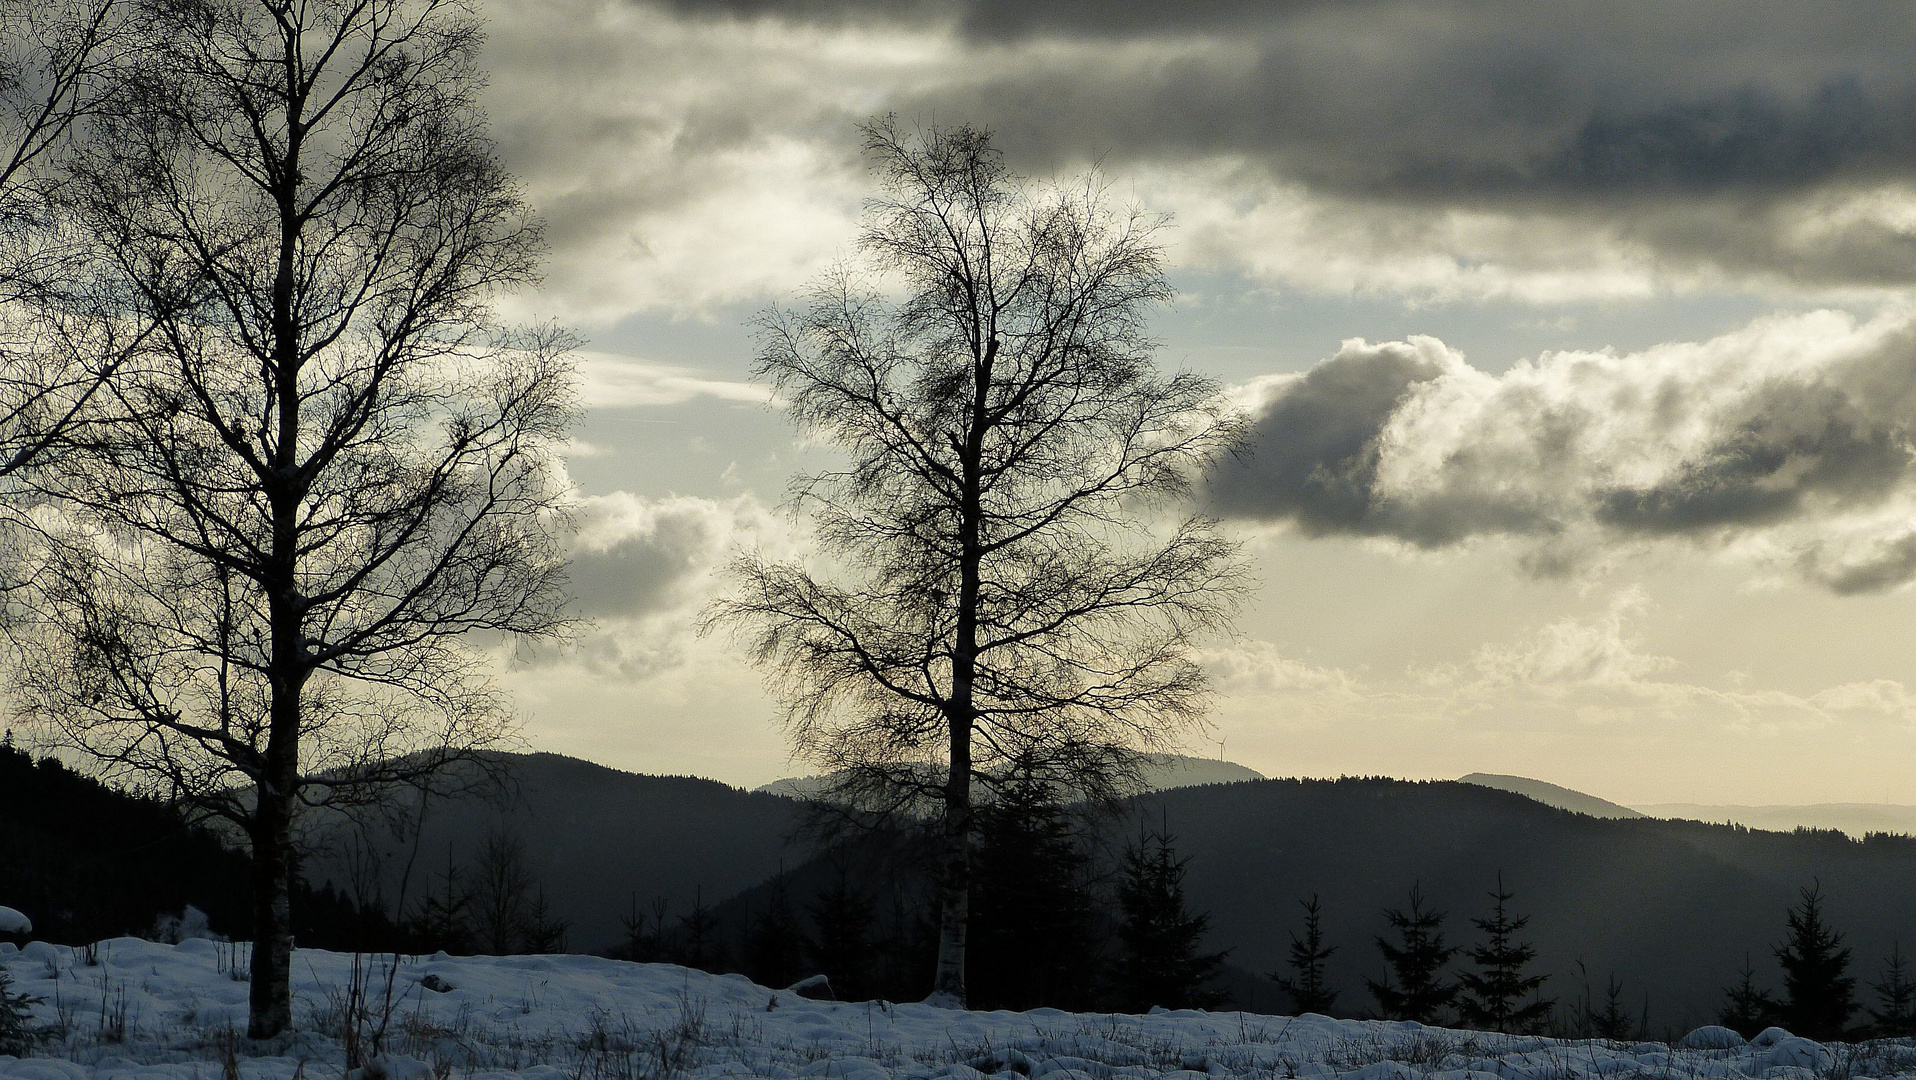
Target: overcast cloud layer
[(1426, 149)]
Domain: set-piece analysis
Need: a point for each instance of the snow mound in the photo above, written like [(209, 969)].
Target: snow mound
[(1711, 1038), (13, 922), (148, 1011)]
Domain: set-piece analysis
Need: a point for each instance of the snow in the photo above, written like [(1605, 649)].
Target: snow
[(129, 1009), (13, 922)]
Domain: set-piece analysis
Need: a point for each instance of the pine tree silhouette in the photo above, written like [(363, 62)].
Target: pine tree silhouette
[(775, 946), (1819, 995), (542, 932), (1896, 994), (1159, 962), (1612, 1022), (1032, 944), (841, 945), (1306, 984), (16, 1017), (443, 923), (1494, 994), (697, 943), (1747, 1010), (1413, 987)]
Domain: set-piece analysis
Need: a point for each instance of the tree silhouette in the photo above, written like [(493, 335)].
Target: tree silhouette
[(1747, 1009), (1306, 984), (842, 947), (328, 463), (775, 945), (1031, 943), (1895, 1016), (1159, 960), (1819, 995), (1494, 995), (1413, 987), (1010, 589)]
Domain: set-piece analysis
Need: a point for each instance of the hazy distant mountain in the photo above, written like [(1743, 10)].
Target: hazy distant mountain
[(1856, 819), (1164, 772), (1562, 798)]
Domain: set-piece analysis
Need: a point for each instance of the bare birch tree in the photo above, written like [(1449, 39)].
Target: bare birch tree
[(329, 466), (1003, 589), (56, 59)]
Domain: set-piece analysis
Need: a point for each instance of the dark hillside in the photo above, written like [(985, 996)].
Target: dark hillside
[(1670, 906), (86, 862), (595, 836)]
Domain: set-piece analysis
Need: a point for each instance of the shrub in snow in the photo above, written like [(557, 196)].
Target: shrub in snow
[(16, 1015), (1713, 1037), (187, 925)]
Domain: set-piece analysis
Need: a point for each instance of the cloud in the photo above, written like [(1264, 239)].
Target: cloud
[(693, 155), (617, 382), (635, 558), (1790, 439)]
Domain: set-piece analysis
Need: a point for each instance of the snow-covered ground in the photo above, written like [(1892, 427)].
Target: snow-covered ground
[(136, 1009)]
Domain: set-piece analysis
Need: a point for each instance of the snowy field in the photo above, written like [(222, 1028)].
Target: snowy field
[(135, 1009)]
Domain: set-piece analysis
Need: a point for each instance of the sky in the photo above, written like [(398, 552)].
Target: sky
[(1578, 343)]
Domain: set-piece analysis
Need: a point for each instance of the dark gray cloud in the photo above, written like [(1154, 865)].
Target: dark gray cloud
[(1796, 432), (1318, 442)]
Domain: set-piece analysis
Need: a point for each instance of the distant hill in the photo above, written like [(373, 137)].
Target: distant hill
[(1856, 819), (1562, 798), (1162, 773), (598, 837), (1670, 907)]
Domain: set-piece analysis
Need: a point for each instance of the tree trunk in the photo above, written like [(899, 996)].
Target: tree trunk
[(270, 1004), (948, 981), (954, 887)]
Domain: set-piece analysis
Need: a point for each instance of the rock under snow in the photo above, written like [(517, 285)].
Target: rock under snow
[(13, 922)]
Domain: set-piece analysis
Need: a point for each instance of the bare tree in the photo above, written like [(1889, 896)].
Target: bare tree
[(1003, 588), (56, 59), (330, 467)]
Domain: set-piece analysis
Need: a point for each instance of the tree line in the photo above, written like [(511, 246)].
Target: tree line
[(1498, 990)]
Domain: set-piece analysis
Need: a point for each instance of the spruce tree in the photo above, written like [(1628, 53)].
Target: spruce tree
[(1413, 987), (1494, 994), (1031, 939), (1819, 994), (1159, 962), (16, 1018), (1310, 991), (1896, 994), (1747, 1009), (541, 932), (1612, 1022), (444, 921), (775, 946), (841, 944), (698, 945)]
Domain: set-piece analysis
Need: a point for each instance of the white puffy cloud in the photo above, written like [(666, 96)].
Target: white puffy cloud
[(1788, 441)]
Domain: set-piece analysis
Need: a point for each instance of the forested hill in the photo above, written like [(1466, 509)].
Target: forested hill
[(1671, 907), (595, 838), (86, 862)]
